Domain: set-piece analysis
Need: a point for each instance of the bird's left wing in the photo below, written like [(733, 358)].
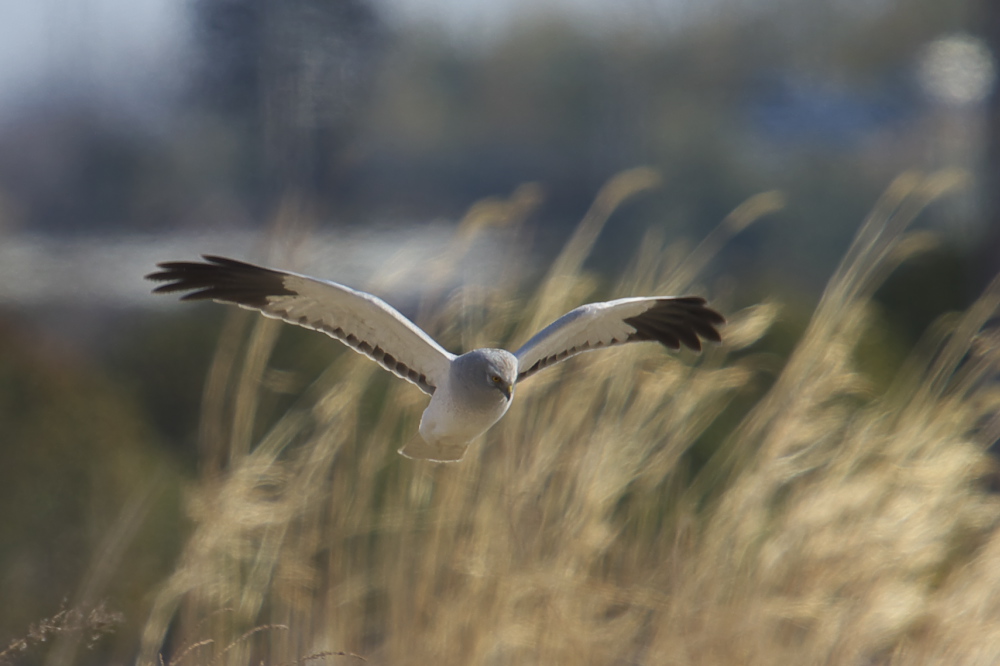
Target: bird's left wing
[(671, 320), (363, 322)]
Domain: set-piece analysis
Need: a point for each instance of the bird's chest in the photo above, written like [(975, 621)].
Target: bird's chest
[(456, 415)]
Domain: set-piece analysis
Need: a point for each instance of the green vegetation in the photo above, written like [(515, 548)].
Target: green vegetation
[(89, 501)]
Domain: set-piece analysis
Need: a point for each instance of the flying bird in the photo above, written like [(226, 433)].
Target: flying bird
[(469, 392)]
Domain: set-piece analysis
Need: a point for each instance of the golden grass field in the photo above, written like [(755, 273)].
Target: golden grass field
[(834, 524)]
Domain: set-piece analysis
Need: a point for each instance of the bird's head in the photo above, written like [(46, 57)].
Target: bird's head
[(486, 371)]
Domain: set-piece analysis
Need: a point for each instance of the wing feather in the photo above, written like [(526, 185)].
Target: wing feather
[(673, 321), (366, 324)]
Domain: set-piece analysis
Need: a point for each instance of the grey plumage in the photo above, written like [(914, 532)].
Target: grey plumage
[(482, 373), (470, 392)]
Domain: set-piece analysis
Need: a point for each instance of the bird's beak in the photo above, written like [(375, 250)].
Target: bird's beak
[(508, 390)]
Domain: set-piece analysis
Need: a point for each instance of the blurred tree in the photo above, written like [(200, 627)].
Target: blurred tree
[(289, 76), (70, 169)]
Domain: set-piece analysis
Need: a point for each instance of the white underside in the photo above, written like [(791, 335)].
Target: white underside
[(448, 426)]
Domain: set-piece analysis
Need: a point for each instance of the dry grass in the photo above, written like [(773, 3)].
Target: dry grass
[(79, 624), (841, 527)]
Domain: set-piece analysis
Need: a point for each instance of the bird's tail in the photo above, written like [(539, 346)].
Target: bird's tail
[(418, 449)]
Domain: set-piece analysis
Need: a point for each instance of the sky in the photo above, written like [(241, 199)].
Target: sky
[(87, 47)]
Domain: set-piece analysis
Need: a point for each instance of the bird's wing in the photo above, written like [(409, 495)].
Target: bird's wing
[(672, 321), (367, 324)]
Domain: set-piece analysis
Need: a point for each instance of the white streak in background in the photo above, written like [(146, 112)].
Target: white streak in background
[(480, 23), (108, 272)]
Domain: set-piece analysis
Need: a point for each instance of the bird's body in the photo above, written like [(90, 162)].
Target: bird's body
[(463, 407), (469, 393)]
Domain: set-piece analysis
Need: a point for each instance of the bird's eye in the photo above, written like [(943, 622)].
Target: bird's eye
[(496, 379)]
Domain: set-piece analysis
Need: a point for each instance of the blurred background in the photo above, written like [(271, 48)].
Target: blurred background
[(136, 132)]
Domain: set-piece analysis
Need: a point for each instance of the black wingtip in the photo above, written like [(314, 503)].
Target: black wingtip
[(220, 279), (675, 322)]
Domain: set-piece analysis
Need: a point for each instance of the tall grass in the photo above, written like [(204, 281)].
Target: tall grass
[(834, 525)]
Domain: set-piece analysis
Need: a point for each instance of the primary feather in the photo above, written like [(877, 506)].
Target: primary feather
[(672, 321), (365, 323)]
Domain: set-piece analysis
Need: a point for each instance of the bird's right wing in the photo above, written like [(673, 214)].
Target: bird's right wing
[(363, 322), (670, 320)]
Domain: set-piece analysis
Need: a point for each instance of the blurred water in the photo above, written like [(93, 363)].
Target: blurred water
[(41, 270)]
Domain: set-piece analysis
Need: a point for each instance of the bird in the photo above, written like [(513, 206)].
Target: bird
[(469, 392)]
